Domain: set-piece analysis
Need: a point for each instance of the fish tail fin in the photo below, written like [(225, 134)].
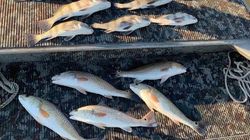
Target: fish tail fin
[(99, 26), (200, 128), (118, 74), (45, 24), (132, 96), (150, 118), (33, 40)]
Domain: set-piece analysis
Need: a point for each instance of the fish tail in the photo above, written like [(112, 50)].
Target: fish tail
[(150, 118), (131, 96), (45, 24), (200, 128), (33, 40), (118, 74), (99, 26)]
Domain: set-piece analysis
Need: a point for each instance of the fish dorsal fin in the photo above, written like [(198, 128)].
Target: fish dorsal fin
[(83, 91), (68, 38), (125, 25), (164, 79), (43, 112), (100, 125), (128, 129)]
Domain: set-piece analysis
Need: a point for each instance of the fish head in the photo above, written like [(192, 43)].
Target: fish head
[(178, 68), (187, 19), (81, 114), (30, 103), (85, 28), (139, 89), (65, 79)]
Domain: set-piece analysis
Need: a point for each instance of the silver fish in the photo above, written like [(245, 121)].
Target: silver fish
[(177, 19), (68, 30), (82, 8), (126, 24), (162, 70), (48, 115), (88, 82), (102, 117), (141, 4), (155, 100)]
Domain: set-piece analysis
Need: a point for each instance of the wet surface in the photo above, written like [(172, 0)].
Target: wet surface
[(199, 93), (218, 20)]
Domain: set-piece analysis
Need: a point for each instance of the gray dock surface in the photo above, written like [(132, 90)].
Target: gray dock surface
[(218, 20)]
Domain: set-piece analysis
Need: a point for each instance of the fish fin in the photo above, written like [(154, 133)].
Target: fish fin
[(136, 81), (102, 103), (68, 38), (110, 97), (176, 122), (128, 32), (108, 31), (150, 118), (32, 40), (164, 79), (83, 91), (128, 129), (134, 8), (125, 25), (150, 6), (45, 24), (102, 126), (152, 2), (85, 16), (200, 128), (118, 74), (132, 96), (49, 38)]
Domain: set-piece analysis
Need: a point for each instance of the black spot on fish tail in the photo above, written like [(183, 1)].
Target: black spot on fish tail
[(200, 128), (32, 41), (44, 25)]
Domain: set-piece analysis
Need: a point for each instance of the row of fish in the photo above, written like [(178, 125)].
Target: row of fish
[(102, 116), (85, 8)]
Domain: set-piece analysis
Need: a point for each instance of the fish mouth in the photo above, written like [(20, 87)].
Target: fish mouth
[(22, 98)]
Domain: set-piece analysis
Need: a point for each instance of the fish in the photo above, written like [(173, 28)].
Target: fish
[(141, 4), (86, 82), (102, 117), (161, 70), (177, 19), (126, 24), (48, 115), (155, 100), (68, 30), (83, 8)]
